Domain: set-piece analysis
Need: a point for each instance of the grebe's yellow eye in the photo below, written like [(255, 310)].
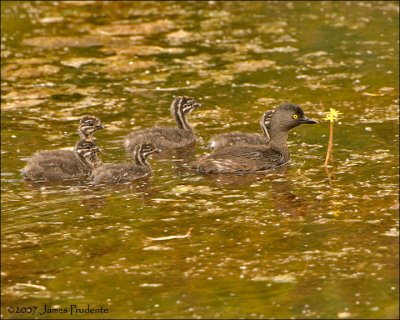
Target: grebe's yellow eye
[(295, 116)]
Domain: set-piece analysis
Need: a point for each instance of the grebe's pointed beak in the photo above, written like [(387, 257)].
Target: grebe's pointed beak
[(100, 126), (305, 120)]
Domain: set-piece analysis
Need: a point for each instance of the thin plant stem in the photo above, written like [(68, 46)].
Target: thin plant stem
[(330, 174), (330, 144)]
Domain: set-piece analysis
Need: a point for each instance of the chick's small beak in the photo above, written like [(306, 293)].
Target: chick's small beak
[(100, 126), (307, 120)]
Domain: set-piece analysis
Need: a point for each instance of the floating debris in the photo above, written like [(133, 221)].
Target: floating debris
[(157, 248), (284, 278), (286, 49), (78, 62), (344, 315), (62, 42), (392, 233), (181, 189), (250, 65), (187, 235), (142, 50), (146, 28), (12, 72), (150, 285), (29, 285), (179, 37), (84, 41), (54, 19), (368, 94)]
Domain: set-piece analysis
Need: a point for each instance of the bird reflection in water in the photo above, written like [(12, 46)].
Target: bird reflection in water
[(283, 196), (180, 159), (139, 189), (94, 197)]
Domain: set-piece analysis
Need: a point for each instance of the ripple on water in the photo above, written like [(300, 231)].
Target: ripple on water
[(28, 289)]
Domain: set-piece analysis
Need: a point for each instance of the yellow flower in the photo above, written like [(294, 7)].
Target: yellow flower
[(332, 115)]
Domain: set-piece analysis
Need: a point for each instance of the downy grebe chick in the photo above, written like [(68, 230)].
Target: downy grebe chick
[(126, 172), (232, 138), (251, 158), (168, 137), (63, 164), (88, 125), (67, 164)]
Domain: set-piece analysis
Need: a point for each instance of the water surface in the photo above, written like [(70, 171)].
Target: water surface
[(299, 242)]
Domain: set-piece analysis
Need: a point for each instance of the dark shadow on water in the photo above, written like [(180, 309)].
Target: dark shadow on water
[(283, 196), (286, 200), (183, 153), (140, 189), (55, 185), (186, 153), (180, 159), (94, 197), (235, 180)]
